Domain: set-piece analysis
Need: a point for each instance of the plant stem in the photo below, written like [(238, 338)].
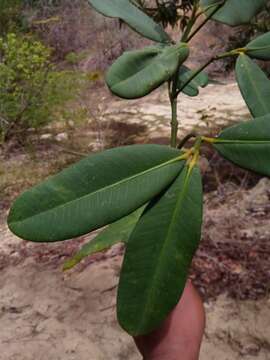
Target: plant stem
[(191, 22), (174, 122), (195, 74), (173, 91), (185, 139), (72, 152), (206, 20), (210, 61), (173, 99)]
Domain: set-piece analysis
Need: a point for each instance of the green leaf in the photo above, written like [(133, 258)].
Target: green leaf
[(201, 79), (158, 255), (234, 12), (97, 191), (247, 145), (259, 48), (116, 232), (192, 89), (131, 15), (254, 86), (137, 73)]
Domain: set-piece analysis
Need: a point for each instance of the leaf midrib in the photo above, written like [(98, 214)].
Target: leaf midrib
[(241, 142), (164, 245), (118, 183), (250, 49)]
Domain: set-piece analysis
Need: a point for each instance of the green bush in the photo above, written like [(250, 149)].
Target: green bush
[(31, 90)]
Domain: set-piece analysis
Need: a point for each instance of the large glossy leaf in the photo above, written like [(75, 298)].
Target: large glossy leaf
[(131, 15), (192, 89), (254, 86), (97, 191), (247, 145), (116, 232), (158, 255), (234, 12), (259, 48), (137, 73)]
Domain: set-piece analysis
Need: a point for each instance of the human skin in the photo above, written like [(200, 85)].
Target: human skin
[(180, 335)]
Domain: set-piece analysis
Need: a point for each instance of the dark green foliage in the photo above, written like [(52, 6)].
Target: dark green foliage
[(254, 86), (116, 232), (150, 285), (102, 188), (192, 89), (259, 48), (137, 73), (247, 145), (234, 12)]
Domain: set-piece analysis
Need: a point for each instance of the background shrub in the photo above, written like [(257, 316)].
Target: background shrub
[(31, 90)]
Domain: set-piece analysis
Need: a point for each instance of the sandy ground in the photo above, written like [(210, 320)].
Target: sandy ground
[(216, 106), (46, 314), (50, 315)]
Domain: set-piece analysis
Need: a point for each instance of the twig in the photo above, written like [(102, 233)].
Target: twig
[(185, 139), (109, 289), (206, 20), (108, 308), (75, 153)]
